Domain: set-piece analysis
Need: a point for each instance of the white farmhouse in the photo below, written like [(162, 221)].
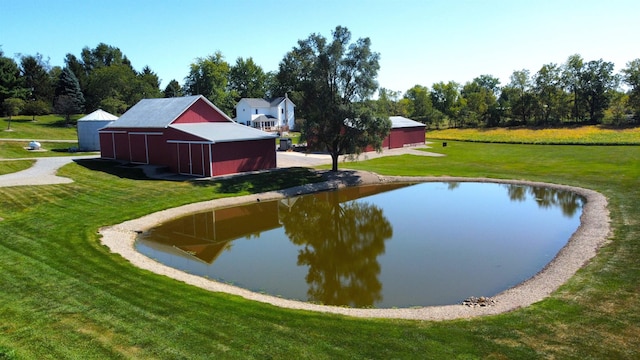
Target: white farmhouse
[(276, 114)]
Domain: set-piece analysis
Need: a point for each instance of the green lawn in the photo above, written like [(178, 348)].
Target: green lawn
[(12, 166), (18, 149), (46, 127), (65, 296)]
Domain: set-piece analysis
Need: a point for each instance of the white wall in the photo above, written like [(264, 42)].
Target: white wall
[(88, 138)]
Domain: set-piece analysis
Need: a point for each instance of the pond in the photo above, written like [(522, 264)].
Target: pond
[(383, 246)]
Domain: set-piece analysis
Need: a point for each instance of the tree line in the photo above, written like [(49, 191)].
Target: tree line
[(576, 92), (103, 77)]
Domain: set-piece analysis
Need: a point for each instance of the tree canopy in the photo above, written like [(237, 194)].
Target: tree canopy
[(335, 78), (575, 92)]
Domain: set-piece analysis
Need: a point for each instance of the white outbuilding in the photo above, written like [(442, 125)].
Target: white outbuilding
[(88, 126)]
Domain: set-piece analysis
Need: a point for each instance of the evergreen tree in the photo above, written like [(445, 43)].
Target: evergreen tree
[(173, 89), (68, 96)]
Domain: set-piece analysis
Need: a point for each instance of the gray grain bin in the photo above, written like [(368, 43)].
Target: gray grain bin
[(88, 126)]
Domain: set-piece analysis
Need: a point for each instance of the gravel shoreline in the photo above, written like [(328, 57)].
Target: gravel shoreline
[(592, 233)]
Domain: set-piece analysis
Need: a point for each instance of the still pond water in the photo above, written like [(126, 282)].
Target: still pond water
[(394, 245)]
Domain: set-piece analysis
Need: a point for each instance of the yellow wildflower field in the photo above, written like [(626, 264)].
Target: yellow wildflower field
[(591, 135)]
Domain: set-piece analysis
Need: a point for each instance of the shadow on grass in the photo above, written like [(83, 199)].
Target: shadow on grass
[(114, 168), (270, 180)]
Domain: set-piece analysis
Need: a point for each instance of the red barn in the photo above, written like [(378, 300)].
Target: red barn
[(189, 135), (404, 132)]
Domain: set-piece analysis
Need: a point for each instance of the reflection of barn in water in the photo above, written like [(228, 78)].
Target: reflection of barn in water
[(204, 236)]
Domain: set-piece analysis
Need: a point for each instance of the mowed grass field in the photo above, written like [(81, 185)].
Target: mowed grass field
[(46, 127), (63, 295)]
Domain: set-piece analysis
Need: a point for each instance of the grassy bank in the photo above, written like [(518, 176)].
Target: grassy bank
[(65, 296), (584, 135)]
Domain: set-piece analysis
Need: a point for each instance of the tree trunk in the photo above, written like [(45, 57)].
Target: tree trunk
[(334, 161)]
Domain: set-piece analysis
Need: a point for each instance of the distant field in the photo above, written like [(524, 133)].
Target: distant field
[(585, 135), (47, 127)]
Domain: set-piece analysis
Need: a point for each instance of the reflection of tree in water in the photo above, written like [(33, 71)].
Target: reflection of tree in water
[(568, 201), (341, 245)]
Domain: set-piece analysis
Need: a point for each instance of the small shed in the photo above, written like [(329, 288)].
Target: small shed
[(88, 126), (404, 132)]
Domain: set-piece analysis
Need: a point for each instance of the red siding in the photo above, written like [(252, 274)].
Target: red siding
[(188, 154), (138, 145), (122, 146), (200, 111), (106, 146), (401, 137), (233, 157)]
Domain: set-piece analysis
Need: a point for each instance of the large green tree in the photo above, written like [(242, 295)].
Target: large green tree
[(571, 73), (521, 97), (109, 81), (480, 101), (12, 107), (553, 101), (209, 76), (445, 98), (336, 78), (11, 85), (631, 76), (598, 82), (419, 106), (35, 74), (247, 79)]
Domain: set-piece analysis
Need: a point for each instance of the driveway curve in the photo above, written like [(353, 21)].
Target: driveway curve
[(43, 172)]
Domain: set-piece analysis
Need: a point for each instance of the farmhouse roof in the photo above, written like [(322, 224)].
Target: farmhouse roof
[(223, 131), (159, 113), (99, 115), (403, 122), (257, 103), (264, 103)]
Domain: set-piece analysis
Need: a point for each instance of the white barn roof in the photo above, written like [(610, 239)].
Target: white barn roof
[(403, 122), (223, 131), (99, 115)]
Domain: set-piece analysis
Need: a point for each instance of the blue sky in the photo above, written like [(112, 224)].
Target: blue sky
[(420, 41)]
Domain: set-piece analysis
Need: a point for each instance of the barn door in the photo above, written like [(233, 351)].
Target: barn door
[(197, 159), (138, 148), (184, 158)]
